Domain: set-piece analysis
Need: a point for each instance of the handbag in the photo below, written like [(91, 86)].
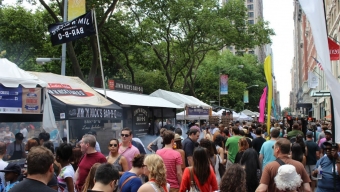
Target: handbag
[(221, 167), (193, 186)]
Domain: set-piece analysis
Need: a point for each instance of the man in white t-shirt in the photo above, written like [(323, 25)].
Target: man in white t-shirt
[(3, 164), (24, 132)]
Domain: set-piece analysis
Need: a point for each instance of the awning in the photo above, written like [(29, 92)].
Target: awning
[(180, 99), (133, 99), (73, 99)]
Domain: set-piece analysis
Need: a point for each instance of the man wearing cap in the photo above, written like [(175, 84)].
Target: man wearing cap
[(328, 137), (326, 163), (172, 161), (12, 172), (16, 150), (281, 151), (94, 133), (312, 156), (189, 145)]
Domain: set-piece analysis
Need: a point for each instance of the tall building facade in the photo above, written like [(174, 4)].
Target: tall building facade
[(302, 101)]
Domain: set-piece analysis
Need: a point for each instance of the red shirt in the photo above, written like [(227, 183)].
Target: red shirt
[(208, 186), (85, 165)]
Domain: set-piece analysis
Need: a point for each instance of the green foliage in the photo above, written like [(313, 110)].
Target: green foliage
[(207, 85), (286, 109)]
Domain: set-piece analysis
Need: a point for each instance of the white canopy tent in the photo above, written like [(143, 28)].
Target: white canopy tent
[(248, 112), (180, 99), (12, 76), (127, 99), (182, 116), (244, 117)]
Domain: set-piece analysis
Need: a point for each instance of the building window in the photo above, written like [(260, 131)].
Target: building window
[(251, 52), (250, 1), (251, 22), (250, 7), (250, 14)]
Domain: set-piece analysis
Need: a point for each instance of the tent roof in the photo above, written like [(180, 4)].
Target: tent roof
[(180, 99), (12, 76), (74, 99), (182, 116), (125, 98)]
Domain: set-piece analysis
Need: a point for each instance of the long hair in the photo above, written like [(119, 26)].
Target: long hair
[(179, 144), (201, 164), (297, 153), (89, 181), (156, 168), (234, 179), (207, 144), (243, 144), (250, 161), (299, 140)]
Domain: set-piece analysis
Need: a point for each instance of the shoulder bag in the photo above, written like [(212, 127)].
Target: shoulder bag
[(193, 186)]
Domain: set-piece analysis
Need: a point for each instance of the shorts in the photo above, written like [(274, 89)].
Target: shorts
[(309, 170)]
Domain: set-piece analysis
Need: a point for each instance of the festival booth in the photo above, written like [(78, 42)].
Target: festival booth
[(24, 102), (79, 109), (181, 116), (194, 108), (144, 114)]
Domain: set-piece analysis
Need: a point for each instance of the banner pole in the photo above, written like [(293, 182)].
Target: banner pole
[(100, 55)]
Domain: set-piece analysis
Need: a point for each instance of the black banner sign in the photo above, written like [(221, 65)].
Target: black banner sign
[(79, 27), (120, 86), (94, 113)]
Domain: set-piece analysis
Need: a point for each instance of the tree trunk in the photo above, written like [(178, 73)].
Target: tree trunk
[(95, 60), (75, 64)]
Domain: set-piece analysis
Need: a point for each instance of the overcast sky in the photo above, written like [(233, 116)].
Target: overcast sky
[(280, 15)]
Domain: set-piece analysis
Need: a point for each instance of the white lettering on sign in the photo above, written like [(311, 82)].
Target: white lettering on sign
[(84, 112), (140, 110), (334, 51)]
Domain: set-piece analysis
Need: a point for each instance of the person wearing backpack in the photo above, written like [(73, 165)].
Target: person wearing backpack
[(281, 152)]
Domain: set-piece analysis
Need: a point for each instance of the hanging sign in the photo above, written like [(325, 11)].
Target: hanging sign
[(72, 30)]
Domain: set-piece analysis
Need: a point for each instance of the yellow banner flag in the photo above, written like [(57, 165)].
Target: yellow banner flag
[(269, 77), (75, 9)]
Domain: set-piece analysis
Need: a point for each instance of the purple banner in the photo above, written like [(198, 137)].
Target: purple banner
[(197, 111)]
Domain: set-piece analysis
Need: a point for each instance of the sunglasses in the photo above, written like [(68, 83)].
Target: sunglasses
[(115, 145), (124, 135)]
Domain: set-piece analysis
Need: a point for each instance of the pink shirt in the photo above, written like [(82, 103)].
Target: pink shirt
[(322, 141), (129, 153), (171, 158)]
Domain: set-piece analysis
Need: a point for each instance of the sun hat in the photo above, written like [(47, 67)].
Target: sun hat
[(177, 137), (287, 178)]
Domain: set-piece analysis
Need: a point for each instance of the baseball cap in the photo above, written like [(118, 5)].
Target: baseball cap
[(328, 131), (12, 167), (329, 143), (309, 134)]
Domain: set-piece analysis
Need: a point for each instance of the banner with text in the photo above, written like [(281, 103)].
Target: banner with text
[(197, 111), (120, 86), (64, 32), (20, 100), (75, 8), (140, 121), (224, 84), (333, 49), (246, 96)]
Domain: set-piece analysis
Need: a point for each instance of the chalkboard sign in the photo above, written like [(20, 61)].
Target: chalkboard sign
[(78, 128), (140, 121)]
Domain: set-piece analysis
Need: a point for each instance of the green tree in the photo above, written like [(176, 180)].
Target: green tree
[(181, 33), (243, 71)]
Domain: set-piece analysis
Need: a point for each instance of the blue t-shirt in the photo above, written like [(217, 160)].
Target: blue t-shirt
[(267, 152), (326, 183), (132, 185), (10, 186)]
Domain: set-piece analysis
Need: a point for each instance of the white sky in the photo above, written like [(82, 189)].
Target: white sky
[(280, 15)]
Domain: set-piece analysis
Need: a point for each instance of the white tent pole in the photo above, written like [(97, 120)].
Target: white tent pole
[(100, 55)]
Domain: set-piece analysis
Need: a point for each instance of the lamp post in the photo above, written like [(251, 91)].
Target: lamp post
[(246, 89)]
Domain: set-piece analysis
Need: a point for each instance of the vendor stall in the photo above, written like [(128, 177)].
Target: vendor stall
[(142, 113), (79, 109)]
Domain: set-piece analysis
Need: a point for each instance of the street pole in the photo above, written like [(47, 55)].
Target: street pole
[(63, 46), (219, 88)]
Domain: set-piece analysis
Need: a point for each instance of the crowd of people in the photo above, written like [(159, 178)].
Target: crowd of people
[(236, 158)]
